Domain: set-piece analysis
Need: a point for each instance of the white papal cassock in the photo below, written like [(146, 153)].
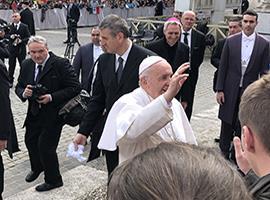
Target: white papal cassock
[(137, 122)]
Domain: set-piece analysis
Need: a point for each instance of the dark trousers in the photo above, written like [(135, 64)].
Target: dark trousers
[(94, 151), (96, 135), (226, 137), (112, 160), (41, 143), (190, 101), (15, 52), (228, 131), (1, 176), (72, 35)]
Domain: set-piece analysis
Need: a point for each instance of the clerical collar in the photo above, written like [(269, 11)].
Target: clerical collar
[(169, 46), (251, 37)]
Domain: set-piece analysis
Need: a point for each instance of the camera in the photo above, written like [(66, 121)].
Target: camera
[(4, 42), (38, 90), (4, 27)]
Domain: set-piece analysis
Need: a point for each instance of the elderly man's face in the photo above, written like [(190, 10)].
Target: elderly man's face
[(172, 33), (38, 52), (16, 18), (109, 43), (158, 79), (188, 20), (234, 27)]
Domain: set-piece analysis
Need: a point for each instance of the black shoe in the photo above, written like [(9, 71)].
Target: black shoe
[(66, 41), (31, 176), (46, 186), (217, 140)]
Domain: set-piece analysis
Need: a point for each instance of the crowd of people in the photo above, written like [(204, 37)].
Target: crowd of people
[(49, 4), (140, 107)]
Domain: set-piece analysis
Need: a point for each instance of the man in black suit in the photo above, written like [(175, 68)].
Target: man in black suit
[(47, 82), (117, 74), (18, 37), (27, 17), (170, 48), (84, 61), (73, 16), (159, 8), (8, 138), (196, 42), (245, 57), (234, 27)]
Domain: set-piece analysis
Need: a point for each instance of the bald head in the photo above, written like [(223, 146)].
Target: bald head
[(16, 17), (188, 20)]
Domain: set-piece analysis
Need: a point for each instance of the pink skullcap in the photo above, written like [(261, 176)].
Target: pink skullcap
[(173, 19)]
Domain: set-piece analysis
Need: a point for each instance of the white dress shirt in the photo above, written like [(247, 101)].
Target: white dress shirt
[(246, 51), (97, 51), (124, 56), (188, 37)]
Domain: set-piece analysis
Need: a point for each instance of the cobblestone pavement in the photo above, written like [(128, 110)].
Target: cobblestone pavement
[(204, 120)]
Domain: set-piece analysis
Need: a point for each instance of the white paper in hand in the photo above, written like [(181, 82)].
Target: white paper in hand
[(71, 152)]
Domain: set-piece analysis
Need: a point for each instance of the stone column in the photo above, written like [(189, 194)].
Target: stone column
[(219, 8)]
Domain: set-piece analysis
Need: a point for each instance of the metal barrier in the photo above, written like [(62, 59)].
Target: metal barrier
[(150, 23), (217, 30)]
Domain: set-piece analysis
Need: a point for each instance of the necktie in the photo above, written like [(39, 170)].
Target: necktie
[(120, 69), (39, 68), (185, 38)]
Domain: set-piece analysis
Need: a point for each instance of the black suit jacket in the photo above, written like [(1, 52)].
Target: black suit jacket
[(24, 33), (181, 54), (83, 62), (196, 59), (28, 19), (215, 59), (106, 90), (5, 103), (159, 8), (58, 77), (74, 13), (7, 128)]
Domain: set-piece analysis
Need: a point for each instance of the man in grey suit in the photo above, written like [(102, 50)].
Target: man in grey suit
[(244, 58), (86, 56)]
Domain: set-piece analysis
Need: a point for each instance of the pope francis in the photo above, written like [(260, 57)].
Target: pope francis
[(149, 115)]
